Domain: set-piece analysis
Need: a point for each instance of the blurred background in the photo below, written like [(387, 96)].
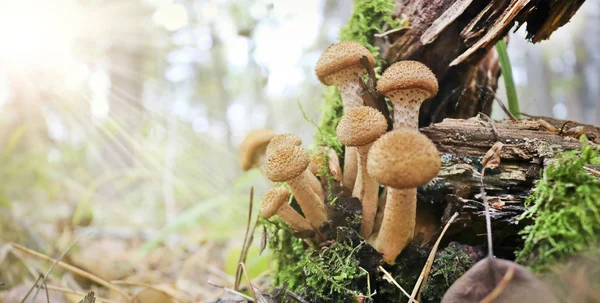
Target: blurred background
[(133, 110)]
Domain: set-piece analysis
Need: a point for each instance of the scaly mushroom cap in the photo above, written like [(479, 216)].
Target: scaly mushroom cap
[(339, 56), (408, 75), (252, 147), (286, 162), (273, 200), (361, 126), (403, 158), (283, 139)]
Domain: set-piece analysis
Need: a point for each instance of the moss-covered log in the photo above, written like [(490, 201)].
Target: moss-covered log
[(529, 146)]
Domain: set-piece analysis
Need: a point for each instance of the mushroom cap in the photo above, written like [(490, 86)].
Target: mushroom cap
[(273, 200), (253, 145), (403, 158), (286, 162), (339, 56), (283, 139), (361, 126), (408, 75)]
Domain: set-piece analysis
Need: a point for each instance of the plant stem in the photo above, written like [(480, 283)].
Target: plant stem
[(511, 91)]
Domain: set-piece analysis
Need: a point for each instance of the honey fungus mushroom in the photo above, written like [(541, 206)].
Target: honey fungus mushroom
[(359, 128), (251, 152), (401, 160), (275, 202), (407, 84), (291, 139), (340, 65), (287, 163)]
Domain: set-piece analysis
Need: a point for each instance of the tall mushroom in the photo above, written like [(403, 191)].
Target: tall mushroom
[(340, 66), (276, 202), (287, 163), (252, 150), (359, 128), (291, 139), (402, 160), (407, 84)]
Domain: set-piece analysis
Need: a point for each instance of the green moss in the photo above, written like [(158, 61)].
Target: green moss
[(324, 275), (448, 266), (368, 19), (566, 210)]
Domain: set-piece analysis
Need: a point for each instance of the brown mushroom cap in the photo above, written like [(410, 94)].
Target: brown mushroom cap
[(408, 75), (273, 200), (250, 149), (340, 56), (283, 139), (360, 126), (286, 162), (403, 158)]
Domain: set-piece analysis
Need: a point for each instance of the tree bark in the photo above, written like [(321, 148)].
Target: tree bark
[(528, 149), (455, 38)]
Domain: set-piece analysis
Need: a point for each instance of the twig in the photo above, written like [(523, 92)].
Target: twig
[(416, 293), (500, 287), (70, 291), (494, 130), (238, 272), (562, 128), (505, 109), (72, 269), (368, 283), (391, 31), (31, 289), (150, 286), (592, 171), (233, 291), (391, 279), (53, 266), (295, 296)]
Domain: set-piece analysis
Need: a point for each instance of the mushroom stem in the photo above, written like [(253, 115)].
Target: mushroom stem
[(366, 189), (406, 105), (310, 203), (348, 84), (315, 184), (350, 168), (398, 225), (293, 218)]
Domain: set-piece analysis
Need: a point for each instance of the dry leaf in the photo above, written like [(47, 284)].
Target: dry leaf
[(491, 159), (89, 298), (484, 278)]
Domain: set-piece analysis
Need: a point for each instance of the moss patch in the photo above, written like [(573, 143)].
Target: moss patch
[(330, 274), (566, 210)]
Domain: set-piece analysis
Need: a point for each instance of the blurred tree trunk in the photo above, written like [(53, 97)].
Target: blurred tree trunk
[(456, 39), (591, 70)]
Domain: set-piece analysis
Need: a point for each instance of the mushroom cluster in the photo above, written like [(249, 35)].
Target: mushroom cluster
[(375, 161)]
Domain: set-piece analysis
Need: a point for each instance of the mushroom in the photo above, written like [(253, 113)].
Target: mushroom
[(340, 66), (276, 202), (283, 139), (287, 163), (291, 139), (407, 84), (359, 128), (252, 150), (402, 160)]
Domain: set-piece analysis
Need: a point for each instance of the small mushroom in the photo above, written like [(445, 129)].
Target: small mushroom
[(276, 202), (340, 66), (287, 163), (291, 139), (402, 160), (407, 84), (252, 150), (359, 128), (283, 139)]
